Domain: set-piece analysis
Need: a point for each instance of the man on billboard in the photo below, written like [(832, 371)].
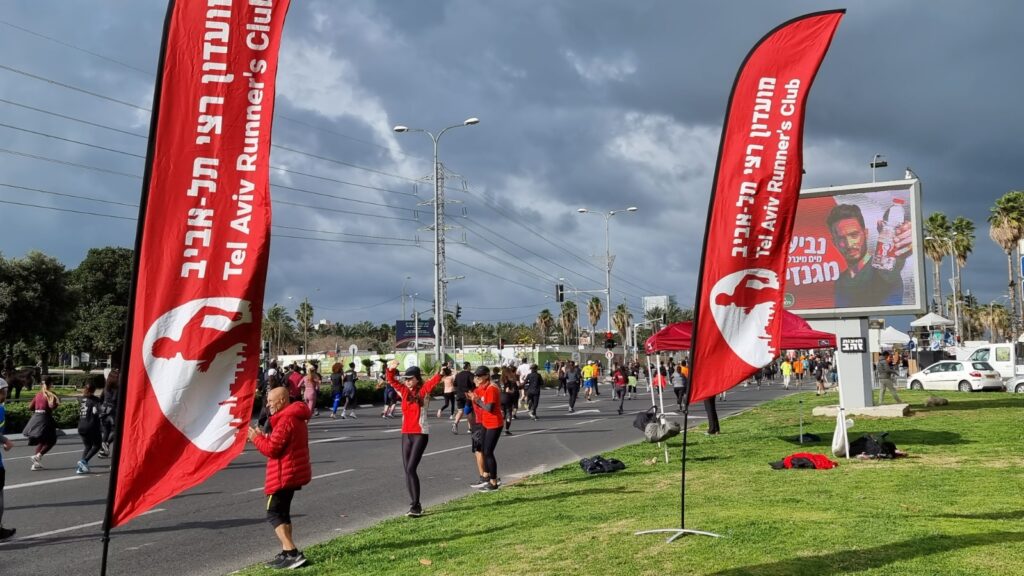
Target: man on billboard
[(872, 277)]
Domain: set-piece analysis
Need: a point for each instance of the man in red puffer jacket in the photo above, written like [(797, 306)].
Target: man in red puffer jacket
[(288, 468)]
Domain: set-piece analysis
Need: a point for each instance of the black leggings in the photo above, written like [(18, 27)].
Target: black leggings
[(532, 401), (508, 407), (491, 436), (679, 395), (449, 400), (573, 392), (3, 480), (92, 442), (413, 446)]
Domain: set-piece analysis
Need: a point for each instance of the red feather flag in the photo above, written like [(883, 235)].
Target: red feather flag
[(201, 254), (753, 202)]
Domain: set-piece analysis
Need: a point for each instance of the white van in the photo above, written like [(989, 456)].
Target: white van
[(1002, 357)]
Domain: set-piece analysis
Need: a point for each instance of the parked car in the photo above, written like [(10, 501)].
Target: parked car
[(964, 376), (1015, 385)]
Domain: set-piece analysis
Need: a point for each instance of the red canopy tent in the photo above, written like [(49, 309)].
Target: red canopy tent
[(796, 333)]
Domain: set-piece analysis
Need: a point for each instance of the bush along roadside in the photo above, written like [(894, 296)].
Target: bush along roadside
[(18, 414)]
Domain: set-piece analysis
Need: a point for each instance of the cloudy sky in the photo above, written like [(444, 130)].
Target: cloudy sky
[(598, 104)]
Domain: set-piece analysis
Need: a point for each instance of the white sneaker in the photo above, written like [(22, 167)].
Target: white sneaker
[(36, 467)]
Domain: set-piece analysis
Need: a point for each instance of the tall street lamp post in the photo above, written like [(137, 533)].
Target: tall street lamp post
[(608, 263), (877, 162), (438, 232)]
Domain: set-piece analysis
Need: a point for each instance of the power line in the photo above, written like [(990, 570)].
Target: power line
[(71, 140), (72, 118), (70, 87), (67, 163), (149, 74), (388, 301), (68, 210), (504, 307), (340, 211), (413, 240), (41, 191)]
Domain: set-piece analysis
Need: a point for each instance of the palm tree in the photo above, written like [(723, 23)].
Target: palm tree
[(594, 309), (936, 246), (1006, 226), (567, 319), (545, 322), (963, 245), (995, 317), (277, 327), (621, 319)]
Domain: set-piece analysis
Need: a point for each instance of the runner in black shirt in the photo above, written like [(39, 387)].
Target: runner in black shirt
[(463, 384)]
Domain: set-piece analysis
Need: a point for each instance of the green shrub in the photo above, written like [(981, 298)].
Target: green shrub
[(18, 414)]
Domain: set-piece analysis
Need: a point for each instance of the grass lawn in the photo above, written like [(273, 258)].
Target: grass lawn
[(954, 506)]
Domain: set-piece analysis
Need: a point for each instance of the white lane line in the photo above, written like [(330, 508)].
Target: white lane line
[(71, 528), (392, 430), (447, 450), (317, 477), (42, 482), (338, 439), (590, 411), (6, 459)]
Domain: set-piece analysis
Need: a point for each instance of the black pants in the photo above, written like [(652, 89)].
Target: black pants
[(107, 429), (3, 480), (449, 402), (92, 440), (679, 396), (532, 401), (413, 446), (491, 436), (573, 392), (620, 393), (561, 385), (507, 406), (709, 407)]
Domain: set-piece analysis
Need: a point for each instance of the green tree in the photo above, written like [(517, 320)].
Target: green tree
[(545, 322), (101, 284), (567, 319), (622, 318), (937, 246), (35, 303), (278, 328), (594, 310), (1006, 226)]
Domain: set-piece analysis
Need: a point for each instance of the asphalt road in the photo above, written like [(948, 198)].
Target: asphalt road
[(219, 526)]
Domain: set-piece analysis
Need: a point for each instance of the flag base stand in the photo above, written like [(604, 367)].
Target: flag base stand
[(677, 533)]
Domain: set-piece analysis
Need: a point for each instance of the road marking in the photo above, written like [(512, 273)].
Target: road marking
[(71, 528), (392, 430), (313, 478), (446, 450), (332, 474), (42, 482), (48, 454), (590, 411), (338, 439)]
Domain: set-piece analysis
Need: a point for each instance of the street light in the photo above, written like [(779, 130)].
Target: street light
[(438, 211), (877, 162), (608, 262), (407, 278)]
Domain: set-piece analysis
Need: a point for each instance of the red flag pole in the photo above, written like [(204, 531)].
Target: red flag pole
[(126, 353), (780, 241)]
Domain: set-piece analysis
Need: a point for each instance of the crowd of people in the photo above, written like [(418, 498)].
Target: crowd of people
[(488, 399)]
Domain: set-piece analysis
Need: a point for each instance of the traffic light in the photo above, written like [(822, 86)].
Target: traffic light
[(609, 340), (458, 311), (559, 292)]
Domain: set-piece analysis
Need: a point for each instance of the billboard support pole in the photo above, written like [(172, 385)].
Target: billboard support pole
[(855, 373)]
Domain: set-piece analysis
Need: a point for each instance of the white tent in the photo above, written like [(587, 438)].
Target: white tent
[(891, 336), (931, 319)]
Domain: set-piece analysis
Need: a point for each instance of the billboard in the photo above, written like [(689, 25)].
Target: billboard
[(651, 302), (856, 251), (406, 329)]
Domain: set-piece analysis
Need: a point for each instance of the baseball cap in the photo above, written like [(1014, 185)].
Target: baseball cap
[(413, 371), (590, 361), (482, 371), (3, 383)]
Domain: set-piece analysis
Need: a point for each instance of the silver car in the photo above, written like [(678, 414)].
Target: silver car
[(965, 376)]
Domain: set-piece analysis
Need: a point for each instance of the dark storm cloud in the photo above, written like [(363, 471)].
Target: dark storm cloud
[(599, 104)]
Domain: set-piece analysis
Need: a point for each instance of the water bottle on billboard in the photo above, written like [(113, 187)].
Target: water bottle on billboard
[(885, 249)]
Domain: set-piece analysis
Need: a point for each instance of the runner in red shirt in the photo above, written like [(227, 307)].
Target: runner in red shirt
[(415, 395), (487, 409)]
